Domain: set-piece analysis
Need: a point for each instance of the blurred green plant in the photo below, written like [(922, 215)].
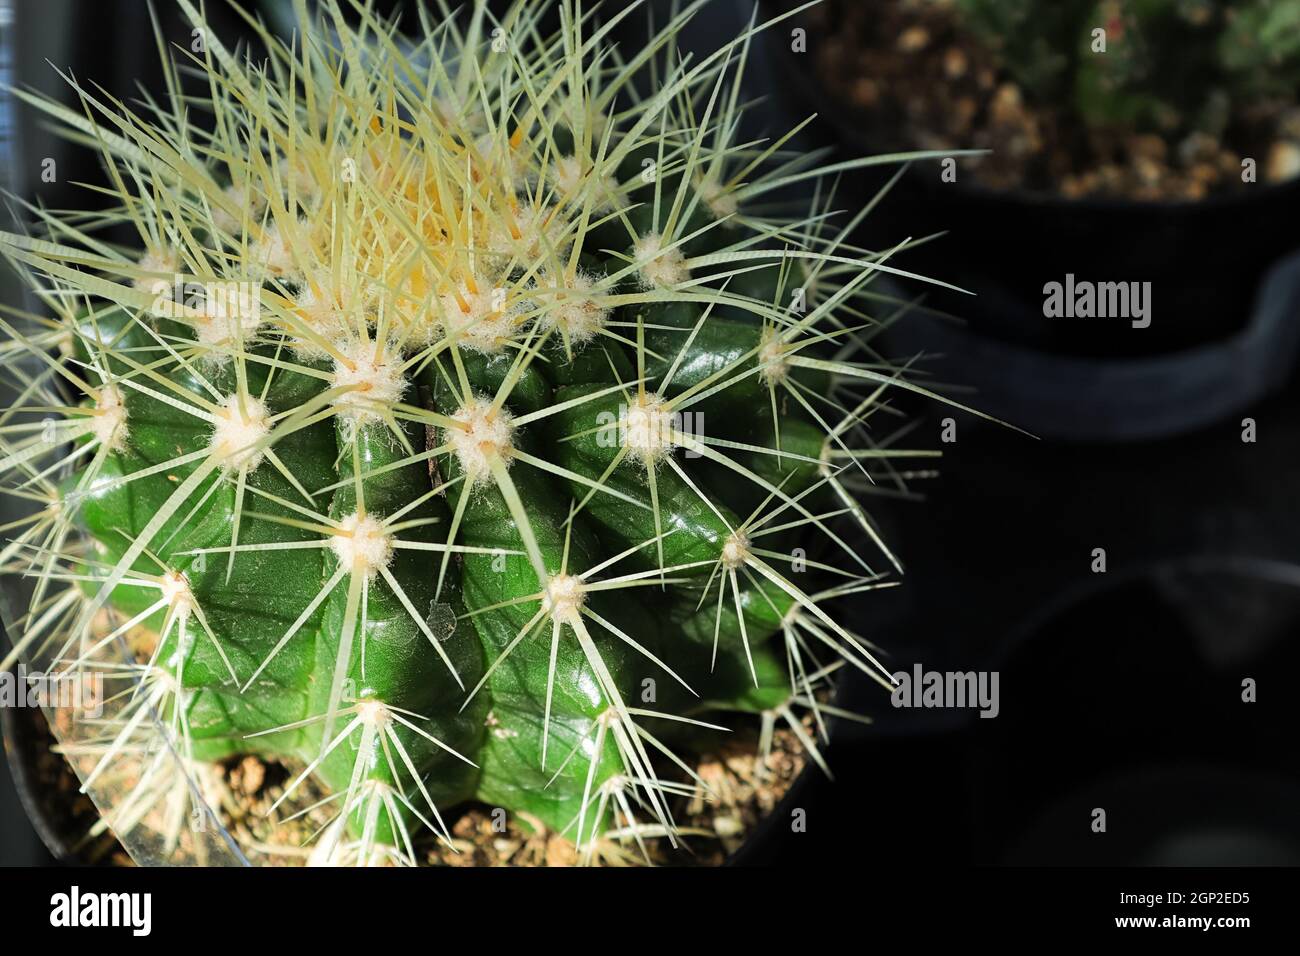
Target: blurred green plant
[(1157, 64)]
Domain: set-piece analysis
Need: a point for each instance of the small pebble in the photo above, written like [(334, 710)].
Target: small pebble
[(1148, 146), (560, 853), (963, 115), (954, 63), (1288, 124), (252, 774), (1071, 187), (1283, 162), (1196, 147), (1111, 176), (1006, 106), (727, 826), (865, 91), (913, 39), (1148, 170)]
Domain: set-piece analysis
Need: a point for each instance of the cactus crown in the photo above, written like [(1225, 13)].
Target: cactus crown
[(461, 424), (1168, 64)]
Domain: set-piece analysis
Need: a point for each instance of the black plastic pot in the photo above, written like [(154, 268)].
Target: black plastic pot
[(1092, 398), (1156, 732), (61, 818), (1204, 259), (1210, 348)]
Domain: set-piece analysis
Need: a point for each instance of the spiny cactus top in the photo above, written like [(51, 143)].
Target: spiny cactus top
[(467, 421)]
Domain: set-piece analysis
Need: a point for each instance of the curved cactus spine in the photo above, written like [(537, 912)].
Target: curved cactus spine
[(381, 427)]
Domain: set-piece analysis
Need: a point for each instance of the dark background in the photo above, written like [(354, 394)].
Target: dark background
[(1119, 690)]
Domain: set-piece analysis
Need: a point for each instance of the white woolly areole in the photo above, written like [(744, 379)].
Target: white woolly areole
[(568, 174), (479, 320), (485, 435), (576, 112), (237, 425), (720, 201), (299, 180), (573, 177), (619, 783), (375, 713), (499, 160), (659, 267), (374, 374), (526, 234), (564, 597), (773, 357), (574, 310), (272, 254), (457, 111), (232, 311), (646, 429), (108, 423), (361, 544), (241, 197), (176, 592), (324, 315), (165, 262), (735, 550)]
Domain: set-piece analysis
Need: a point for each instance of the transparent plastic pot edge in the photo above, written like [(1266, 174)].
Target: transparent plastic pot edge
[(115, 719), (147, 793)]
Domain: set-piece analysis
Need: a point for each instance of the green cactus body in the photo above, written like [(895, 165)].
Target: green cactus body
[(420, 513)]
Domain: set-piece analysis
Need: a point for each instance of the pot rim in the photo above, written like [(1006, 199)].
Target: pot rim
[(19, 747)]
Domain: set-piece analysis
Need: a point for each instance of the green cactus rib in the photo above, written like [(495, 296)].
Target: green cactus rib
[(462, 428), (253, 599)]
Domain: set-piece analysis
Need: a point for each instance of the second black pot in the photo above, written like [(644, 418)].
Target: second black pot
[(1204, 260)]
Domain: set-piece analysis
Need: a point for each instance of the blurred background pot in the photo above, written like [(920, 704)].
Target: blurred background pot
[(1171, 736), (1219, 335)]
